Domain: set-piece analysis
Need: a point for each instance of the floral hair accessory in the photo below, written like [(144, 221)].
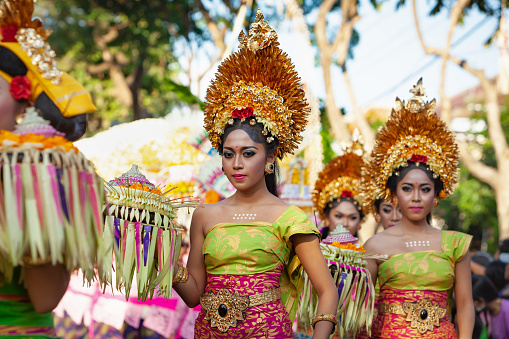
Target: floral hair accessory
[(26, 38), (413, 133), (243, 113), (346, 194), (259, 76), (341, 178), (419, 158), (20, 88)]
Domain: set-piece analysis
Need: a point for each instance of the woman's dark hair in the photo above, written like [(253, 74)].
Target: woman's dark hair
[(483, 288), (255, 132), (398, 175), (73, 127), (332, 205), (495, 271)]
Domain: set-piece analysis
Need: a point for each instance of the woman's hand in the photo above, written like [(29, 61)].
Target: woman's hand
[(307, 248)]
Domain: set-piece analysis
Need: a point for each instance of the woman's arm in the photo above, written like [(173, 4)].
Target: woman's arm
[(194, 287), (307, 248), (372, 264), (46, 285), (463, 294)]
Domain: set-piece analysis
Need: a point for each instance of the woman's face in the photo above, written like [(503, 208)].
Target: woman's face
[(415, 194), (347, 214), (389, 215), (10, 107), (244, 161)]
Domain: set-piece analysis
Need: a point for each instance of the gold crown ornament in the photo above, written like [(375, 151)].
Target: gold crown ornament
[(341, 178), (258, 82), (26, 38), (413, 133)]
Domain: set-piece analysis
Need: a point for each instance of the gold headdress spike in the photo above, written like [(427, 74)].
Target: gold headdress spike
[(26, 38), (413, 133), (341, 178), (258, 81)]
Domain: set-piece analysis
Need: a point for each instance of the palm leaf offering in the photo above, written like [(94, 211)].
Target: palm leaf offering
[(141, 233), (50, 201), (347, 264)]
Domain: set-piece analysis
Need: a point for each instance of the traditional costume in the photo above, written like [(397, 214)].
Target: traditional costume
[(252, 273), (50, 195), (416, 288)]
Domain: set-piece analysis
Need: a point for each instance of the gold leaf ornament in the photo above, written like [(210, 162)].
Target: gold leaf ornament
[(261, 76), (412, 129)]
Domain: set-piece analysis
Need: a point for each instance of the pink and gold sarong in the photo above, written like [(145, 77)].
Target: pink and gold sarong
[(269, 320), (394, 322)]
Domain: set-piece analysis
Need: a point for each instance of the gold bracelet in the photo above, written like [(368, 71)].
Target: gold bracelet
[(28, 262), (178, 275), (328, 317), (185, 275)]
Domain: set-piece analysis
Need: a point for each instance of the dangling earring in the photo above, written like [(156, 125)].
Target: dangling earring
[(435, 202), (395, 201), (269, 168)]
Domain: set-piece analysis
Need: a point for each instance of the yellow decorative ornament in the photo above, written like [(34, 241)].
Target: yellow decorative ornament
[(26, 38), (413, 133), (341, 178), (259, 80)]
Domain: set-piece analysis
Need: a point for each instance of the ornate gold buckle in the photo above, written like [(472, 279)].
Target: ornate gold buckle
[(224, 308), (423, 315)]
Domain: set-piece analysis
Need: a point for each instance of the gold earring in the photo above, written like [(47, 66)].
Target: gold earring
[(435, 202), (269, 168)]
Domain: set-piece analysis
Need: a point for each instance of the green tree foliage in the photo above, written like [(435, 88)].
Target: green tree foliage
[(473, 206), (122, 52)]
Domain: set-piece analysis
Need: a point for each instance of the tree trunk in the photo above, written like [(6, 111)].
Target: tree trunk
[(502, 197), (339, 129)]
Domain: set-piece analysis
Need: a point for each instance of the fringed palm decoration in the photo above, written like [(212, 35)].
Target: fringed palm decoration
[(141, 232), (50, 201), (347, 263)]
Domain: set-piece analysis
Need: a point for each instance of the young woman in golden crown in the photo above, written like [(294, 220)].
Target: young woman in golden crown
[(337, 191), (34, 214), (247, 250), (414, 163)]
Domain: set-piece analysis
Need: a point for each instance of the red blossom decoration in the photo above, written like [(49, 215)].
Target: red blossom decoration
[(346, 194), (9, 33), (243, 113), (20, 88), (419, 158)]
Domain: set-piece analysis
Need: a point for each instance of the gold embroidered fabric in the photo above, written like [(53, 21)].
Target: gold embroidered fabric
[(225, 308), (423, 315)]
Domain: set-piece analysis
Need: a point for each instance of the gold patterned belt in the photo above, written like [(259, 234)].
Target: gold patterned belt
[(225, 308), (423, 315)]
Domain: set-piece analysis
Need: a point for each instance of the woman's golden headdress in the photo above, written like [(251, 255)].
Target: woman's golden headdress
[(341, 178), (26, 38), (260, 81), (413, 133)]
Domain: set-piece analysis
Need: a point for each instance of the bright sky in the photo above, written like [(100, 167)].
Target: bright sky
[(388, 57)]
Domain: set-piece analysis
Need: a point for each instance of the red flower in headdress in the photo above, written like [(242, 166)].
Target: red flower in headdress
[(419, 158), (9, 33), (20, 88), (346, 194), (243, 113)]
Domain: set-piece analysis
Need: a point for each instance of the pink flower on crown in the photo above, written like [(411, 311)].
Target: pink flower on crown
[(243, 113), (419, 158), (346, 194)]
